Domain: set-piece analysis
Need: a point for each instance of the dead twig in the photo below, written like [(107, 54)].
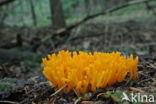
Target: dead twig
[(78, 100), (8, 102), (58, 91), (145, 80), (136, 89)]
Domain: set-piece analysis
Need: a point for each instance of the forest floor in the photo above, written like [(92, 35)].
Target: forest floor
[(21, 79)]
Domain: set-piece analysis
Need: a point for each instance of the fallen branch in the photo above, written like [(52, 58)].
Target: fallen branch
[(58, 91), (67, 29), (8, 102)]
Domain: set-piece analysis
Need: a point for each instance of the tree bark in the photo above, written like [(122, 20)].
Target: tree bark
[(95, 2), (87, 6), (33, 13), (57, 13)]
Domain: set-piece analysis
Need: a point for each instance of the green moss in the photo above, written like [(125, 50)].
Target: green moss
[(9, 80), (5, 86)]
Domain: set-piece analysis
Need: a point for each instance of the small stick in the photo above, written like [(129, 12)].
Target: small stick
[(136, 89), (78, 100), (9, 102), (76, 92), (149, 79), (58, 91)]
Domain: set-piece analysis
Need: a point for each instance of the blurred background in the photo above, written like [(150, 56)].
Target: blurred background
[(42, 12), (31, 29)]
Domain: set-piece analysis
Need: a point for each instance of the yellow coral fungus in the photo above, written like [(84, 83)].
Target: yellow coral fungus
[(88, 71)]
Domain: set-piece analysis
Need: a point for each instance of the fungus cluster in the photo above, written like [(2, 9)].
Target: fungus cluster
[(85, 72)]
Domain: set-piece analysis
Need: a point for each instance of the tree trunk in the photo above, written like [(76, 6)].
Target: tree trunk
[(33, 13), (95, 2), (3, 15), (58, 19), (87, 6)]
